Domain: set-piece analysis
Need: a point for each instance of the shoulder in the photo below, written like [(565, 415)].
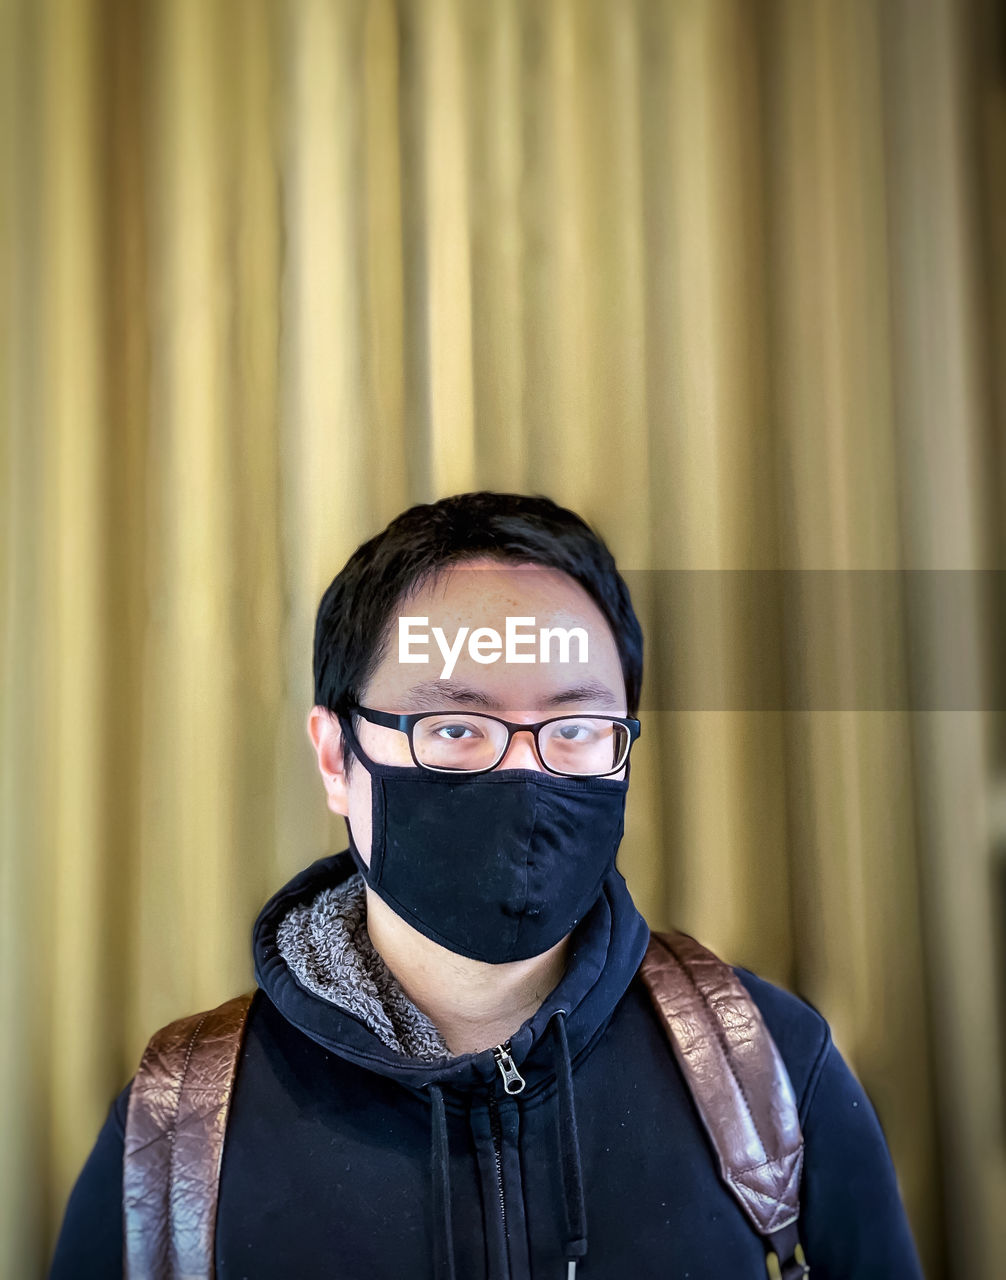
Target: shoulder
[(854, 1220), (118, 1110), (198, 1050), (208, 1022), (89, 1242), (208, 1030), (800, 1032)]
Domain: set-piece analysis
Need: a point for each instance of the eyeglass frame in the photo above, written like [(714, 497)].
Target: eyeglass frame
[(405, 722)]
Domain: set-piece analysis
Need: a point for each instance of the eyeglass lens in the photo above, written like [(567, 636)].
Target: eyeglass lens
[(585, 745)]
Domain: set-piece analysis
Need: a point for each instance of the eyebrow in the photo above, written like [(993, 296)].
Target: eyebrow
[(431, 694)]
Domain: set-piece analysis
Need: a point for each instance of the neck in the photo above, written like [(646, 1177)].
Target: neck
[(474, 1005)]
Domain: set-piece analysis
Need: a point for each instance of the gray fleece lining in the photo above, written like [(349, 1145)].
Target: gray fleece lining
[(326, 945)]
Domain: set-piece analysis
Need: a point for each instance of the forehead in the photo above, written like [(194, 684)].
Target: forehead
[(483, 594), (493, 590)]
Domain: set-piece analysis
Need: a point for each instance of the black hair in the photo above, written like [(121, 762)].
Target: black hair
[(354, 621)]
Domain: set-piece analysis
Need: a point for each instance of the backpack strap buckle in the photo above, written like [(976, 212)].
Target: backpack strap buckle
[(785, 1259)]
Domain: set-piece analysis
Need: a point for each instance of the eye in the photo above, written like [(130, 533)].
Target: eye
[(453, 732), (446, 729), (575, 732)]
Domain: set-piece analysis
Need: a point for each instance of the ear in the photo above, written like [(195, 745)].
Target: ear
[(326, 737)]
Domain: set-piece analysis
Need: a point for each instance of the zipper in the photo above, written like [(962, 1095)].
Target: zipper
[(513, 1082), (497, 1132)]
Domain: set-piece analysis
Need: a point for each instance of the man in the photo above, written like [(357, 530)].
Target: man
[(451, 1068)]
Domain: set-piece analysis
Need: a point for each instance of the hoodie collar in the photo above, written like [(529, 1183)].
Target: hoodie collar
[(605, 951), (326, 943)]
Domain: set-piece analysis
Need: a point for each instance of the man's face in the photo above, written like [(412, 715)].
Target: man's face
[(478, 594)]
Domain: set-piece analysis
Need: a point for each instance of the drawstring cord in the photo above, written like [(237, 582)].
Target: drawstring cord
[(573, 1205), (441, 1175)]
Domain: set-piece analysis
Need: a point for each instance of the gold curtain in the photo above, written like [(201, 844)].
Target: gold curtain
[(723, 275)]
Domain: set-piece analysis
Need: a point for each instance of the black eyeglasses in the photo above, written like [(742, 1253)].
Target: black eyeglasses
[(579, 746)]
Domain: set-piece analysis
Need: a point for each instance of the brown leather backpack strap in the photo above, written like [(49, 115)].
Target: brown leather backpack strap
[(740, 1085), (174, 1138)]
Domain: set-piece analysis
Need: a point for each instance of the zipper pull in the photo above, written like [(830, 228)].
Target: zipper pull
[(513, 1081)]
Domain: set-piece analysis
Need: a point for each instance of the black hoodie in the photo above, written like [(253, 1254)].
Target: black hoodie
[(346, 1158)]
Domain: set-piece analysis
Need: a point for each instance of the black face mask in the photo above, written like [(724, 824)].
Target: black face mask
[(497, 866)]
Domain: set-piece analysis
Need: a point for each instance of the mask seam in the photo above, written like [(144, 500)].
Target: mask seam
[(518, 940)]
